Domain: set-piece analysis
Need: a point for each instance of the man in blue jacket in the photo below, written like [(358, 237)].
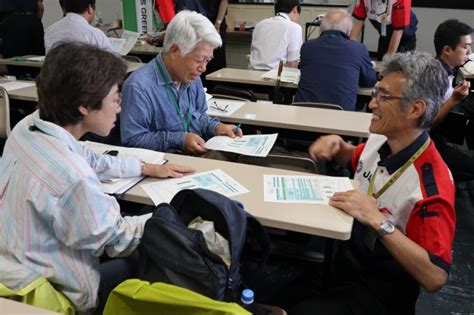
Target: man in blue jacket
[(333, 66)]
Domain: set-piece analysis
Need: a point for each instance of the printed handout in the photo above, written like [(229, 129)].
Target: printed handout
[(303, 189), (216, 180), (255, 145)]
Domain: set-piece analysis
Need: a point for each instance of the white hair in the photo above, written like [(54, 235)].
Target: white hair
[(187, 29), (337, 19)]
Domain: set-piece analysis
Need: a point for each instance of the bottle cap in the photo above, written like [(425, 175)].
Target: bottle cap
[(247, 296)]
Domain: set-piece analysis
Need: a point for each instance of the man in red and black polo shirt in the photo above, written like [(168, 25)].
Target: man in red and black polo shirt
[(393, 19), (404, 208)]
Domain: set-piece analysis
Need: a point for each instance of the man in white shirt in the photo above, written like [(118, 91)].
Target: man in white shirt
[(75, 26), (278, 38)]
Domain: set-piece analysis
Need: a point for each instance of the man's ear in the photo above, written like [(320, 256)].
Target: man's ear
[(174, 51), (417, 109), (90, 9), (446, 51)]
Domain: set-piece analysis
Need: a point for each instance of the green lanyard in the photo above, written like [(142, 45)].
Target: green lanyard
[(185, 124), (397, 175)]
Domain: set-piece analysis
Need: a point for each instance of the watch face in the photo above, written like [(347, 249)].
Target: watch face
[(386, 227)]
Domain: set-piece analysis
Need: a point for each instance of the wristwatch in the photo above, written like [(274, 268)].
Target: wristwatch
[(218, 22), (386, 227)]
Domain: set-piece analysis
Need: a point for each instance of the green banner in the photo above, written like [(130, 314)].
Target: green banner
[(138, 16)]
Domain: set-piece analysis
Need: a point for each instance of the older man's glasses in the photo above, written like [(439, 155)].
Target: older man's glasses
[(202, 61), (379, 96), (221, 108)]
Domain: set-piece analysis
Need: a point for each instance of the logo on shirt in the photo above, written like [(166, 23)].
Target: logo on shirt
[(385, 210)]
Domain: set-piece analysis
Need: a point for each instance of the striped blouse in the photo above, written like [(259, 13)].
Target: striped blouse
[(54, 219)]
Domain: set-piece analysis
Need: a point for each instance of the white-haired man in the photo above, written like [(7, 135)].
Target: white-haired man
[(333, 66), (164, 105)]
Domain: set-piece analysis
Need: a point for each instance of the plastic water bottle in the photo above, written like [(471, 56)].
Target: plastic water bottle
[(247, 299), (100, 19)]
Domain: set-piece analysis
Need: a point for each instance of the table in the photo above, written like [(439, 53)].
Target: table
[(24, 94), (145, 49), (254, 77), (23, 62), (344, 123), (322, 220), (244, 76), (318, 120)]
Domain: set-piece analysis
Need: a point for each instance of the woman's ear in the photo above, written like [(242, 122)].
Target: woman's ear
[(83, 110)]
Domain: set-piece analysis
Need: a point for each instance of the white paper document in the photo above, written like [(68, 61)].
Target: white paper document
[(121, 185), (221, 107), (255, 145), (36, 58), (148, 156), (303, 189), (126, 43), (15, 85), (469, 66), (288, 75), (216, 180)]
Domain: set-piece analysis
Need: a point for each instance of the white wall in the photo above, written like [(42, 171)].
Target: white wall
[(428, 21), (110, 9)]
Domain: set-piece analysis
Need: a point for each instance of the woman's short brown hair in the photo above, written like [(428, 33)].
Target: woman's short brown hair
[(73, 75)]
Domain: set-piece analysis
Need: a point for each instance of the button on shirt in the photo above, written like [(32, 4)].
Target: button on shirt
[(274, 39), (149, 118), (54, 219), (74, 27)]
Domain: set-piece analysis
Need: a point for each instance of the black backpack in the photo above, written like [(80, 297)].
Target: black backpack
[(171, 252)]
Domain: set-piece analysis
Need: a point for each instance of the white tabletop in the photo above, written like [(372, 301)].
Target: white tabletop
[(145, 49), (322, 220), (22, 61), (329, 121), (246, 76)]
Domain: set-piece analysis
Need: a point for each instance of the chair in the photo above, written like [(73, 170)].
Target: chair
[(132, 58), (283, 161), (4, 113), (235, 93), (318, 105)]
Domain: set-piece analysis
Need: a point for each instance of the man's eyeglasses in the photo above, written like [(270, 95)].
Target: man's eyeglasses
[(221, 108), (381, 97), (203, 61)]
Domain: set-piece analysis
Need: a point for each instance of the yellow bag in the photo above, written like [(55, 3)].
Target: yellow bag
[(139, 297), (42, 294)]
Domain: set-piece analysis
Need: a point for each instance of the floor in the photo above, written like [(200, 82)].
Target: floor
[(457, 297)]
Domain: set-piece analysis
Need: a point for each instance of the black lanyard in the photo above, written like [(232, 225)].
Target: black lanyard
[(185, 123)]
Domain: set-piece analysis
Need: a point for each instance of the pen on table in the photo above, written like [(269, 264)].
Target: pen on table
[(111, 152), (236, 128)]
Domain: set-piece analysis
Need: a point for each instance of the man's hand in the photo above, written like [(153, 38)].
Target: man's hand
[(357, 204), (228, 130), (194, 144), (325, 148), (461, 91), (165, 171)]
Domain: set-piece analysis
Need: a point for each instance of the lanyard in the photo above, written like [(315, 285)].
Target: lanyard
[(185, 123), (397, 175)]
